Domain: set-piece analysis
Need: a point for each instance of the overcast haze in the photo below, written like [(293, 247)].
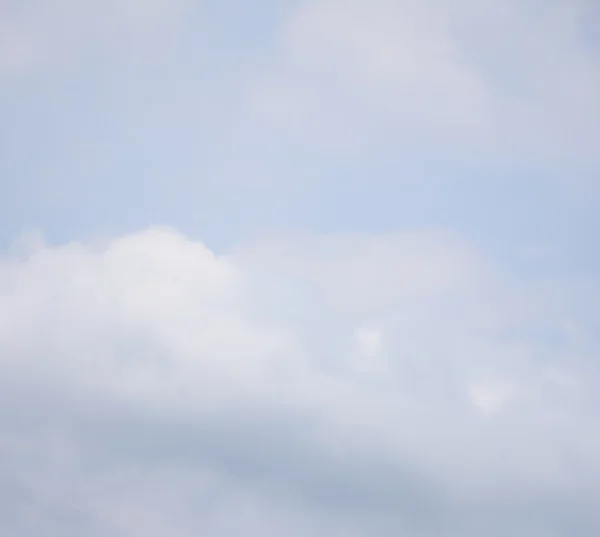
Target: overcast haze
[(299, 267)]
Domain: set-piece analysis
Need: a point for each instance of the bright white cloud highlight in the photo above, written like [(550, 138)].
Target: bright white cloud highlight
[(368, 341)]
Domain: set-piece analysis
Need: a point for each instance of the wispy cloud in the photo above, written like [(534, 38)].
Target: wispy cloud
[(50, 34), (508, 77)]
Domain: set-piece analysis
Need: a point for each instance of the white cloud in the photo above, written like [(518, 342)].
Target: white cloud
[(489, 397), (369, 357), (54, 32), (360, 272), (151, 385), (368, 341), (502, 75)]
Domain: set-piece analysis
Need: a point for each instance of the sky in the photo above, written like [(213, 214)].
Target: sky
[(299, 267)]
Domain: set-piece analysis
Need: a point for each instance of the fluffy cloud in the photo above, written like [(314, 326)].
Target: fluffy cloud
[(151, 386), (512, 75)]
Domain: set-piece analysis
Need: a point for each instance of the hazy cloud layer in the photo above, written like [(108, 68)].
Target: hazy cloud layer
[(151, 386), (320, 115), (54, 33), (374, 311), (500, 76)]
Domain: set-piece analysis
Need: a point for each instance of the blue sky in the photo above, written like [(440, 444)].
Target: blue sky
[(325, 266)]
